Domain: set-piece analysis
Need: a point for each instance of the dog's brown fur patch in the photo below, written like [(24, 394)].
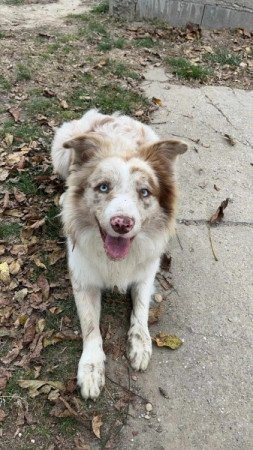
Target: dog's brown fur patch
[(163, 167)]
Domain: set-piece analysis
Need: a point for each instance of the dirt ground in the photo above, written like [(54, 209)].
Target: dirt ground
[(57, 61)]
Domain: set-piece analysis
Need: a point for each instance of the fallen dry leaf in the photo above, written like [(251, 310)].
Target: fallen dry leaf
[(4, 273), (35, 385), (157, 101), (8, 138), (59, 337), (20, 295), (19, 249), (15, 113), (38, 224), (40, 325), (3, 174), (2, 415), (96, 425), (44, 286), (48, 93), (4, 377), (163, 392), (62, 408), (154, 314), (6, 200), (19, 196), (230, 139), (80, 444), (219, 214), (7, 332), (39, 263), (13, 212), (139, 113), (64, 104), (13, 353), (14, 267), (167, 340), (29, 334)]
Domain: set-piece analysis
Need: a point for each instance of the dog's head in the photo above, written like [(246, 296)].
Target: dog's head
[(121, 192)]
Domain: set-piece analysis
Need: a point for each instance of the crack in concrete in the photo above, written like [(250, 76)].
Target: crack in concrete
[(222, 134), (220, 111), (224, 223)]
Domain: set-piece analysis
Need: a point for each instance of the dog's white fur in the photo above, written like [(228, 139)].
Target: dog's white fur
[(90, 268)]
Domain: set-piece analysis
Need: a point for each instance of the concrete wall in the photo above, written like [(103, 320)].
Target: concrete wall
[(207, 13)]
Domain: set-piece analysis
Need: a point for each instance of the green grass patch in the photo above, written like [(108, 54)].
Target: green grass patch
[(120, 43), (97, 28), (14, 2), (185, 69), (52, 273), (68, 426), (24, 183), (67, 48), (5, 85), (41, 430), (25, 131), (52, 48), (108, 43), (9, 230), (105, 45), (2, 34), (23, 72), (53, 225), (38, 104), (12, 387), (101, 8), (146, 42), (81, 17), (115, 303), (223, 57), (65, 38), (121, 70), (69, 359), (110, 98)]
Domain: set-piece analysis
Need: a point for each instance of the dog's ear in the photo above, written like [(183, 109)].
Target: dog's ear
[(85, 146), (164, 150)]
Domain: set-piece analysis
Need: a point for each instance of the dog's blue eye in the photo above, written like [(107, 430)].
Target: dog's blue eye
[(145, 193), (104, 188)]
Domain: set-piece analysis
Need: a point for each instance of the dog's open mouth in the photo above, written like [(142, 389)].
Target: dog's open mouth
[(116, 247)]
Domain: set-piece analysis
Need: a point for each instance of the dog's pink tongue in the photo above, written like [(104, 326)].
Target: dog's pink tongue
[(117, 247)]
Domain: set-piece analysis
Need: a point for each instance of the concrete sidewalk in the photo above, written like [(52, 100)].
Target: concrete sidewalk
[(209, 379)]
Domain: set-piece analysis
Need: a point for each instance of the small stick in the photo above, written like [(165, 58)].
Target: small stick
[(127, 389), (211, 242), (73, 412), (179, 242)]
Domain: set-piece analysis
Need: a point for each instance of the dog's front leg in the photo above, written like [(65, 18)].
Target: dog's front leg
[(91, 370), (139, 341)]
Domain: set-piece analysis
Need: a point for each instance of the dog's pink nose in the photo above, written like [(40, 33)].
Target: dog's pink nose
[(122, 224)]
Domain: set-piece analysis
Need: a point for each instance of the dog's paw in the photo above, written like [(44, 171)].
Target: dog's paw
[(139, 348), (91, 376)]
